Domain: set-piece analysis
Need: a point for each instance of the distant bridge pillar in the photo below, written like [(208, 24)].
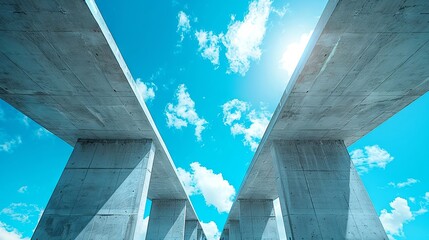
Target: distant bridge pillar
[(234, 230), (191, 229), (101, 192), (321, 194), (257, 219), (167, 220)]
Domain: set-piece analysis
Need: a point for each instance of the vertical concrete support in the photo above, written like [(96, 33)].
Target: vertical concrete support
[(167, 220), (234, 230), (101, 193), (225, 235), (257, 219), (200, 232), (321, 194), (191, 230)]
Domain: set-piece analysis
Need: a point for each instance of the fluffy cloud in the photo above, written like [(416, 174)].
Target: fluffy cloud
[(23, 189), (183, 113), (10, 233), (22, 212), (209, 45), (243, 38), (393, 221), (409, 182), (293, 52), (8, 145), (252, 127), (215, 189), (370, 157), (146, 90), (183, 24), (141, 228), (211, 230)]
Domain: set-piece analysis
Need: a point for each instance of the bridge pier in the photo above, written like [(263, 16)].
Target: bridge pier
[(101, 192), (191, 230), (167, 220), (321, 194), (234, 230), (257, 219)]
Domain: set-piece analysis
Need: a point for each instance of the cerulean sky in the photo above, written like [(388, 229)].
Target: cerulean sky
[(212, 73)]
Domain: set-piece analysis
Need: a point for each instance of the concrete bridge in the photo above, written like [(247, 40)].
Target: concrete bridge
[(60, 66)]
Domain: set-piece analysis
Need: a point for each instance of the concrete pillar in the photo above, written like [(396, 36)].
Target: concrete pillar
[(321, 194), (234, 230), (199, 232), (191, 229), (167, 220), (101, 192), (225, 235), (257, 220)]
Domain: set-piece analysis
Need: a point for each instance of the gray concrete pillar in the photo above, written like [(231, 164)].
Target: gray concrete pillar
[(199, 232), (234, 230), (101, 192), (321, 194), (166, 220), (191, 230), (225, 235), (257, 220)]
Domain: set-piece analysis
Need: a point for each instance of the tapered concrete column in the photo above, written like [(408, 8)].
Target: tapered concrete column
[(199, 232), (225, 235), (257, 219), (167, 220), (101, 193), (321, 194), (234, 230), (191, 230)]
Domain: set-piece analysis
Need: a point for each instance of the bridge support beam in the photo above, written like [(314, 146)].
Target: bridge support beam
[(167, 220), (321, 194), (257, 220), (101, 192), (191, 230), (234, 230)]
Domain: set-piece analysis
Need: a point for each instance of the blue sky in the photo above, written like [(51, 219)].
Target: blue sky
[(212, 73)]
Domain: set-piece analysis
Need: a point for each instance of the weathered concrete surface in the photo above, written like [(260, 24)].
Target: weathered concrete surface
[(60, 66), (167, 220), (101, 193), (257, 220), (234, 230), (321, 194), (191, 230)]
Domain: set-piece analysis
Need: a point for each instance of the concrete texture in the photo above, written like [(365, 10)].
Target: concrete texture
[(191, 230), (101, 193), (350, 79), (167, 220), (257, 220), (321, 194), (234, 230)]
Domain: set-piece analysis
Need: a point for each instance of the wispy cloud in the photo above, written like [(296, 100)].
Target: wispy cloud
[(146, 90), (252, 127), (209, 45), (23, 189), (9, 145), (409, 182), (293, 52), (216, 191), (25, 120), (183, 25), (22, 212), (184, 113), (370, 157), (211, 230), (281, 11), (243, 38), (9, 233), (42, 132)]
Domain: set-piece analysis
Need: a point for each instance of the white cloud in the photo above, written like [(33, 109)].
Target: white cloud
[(183, 24), (293, 52), (22, 212), (211, 230), (281, 11), (8, 146), (243, 38), (146, 90), (209, 45), (183, 113), (215, 189), (252, 127), (370, 157), (23, 189), (141, 228), (409, 182), (41, 132), (25, 120), (10, 233), (393, 221)]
